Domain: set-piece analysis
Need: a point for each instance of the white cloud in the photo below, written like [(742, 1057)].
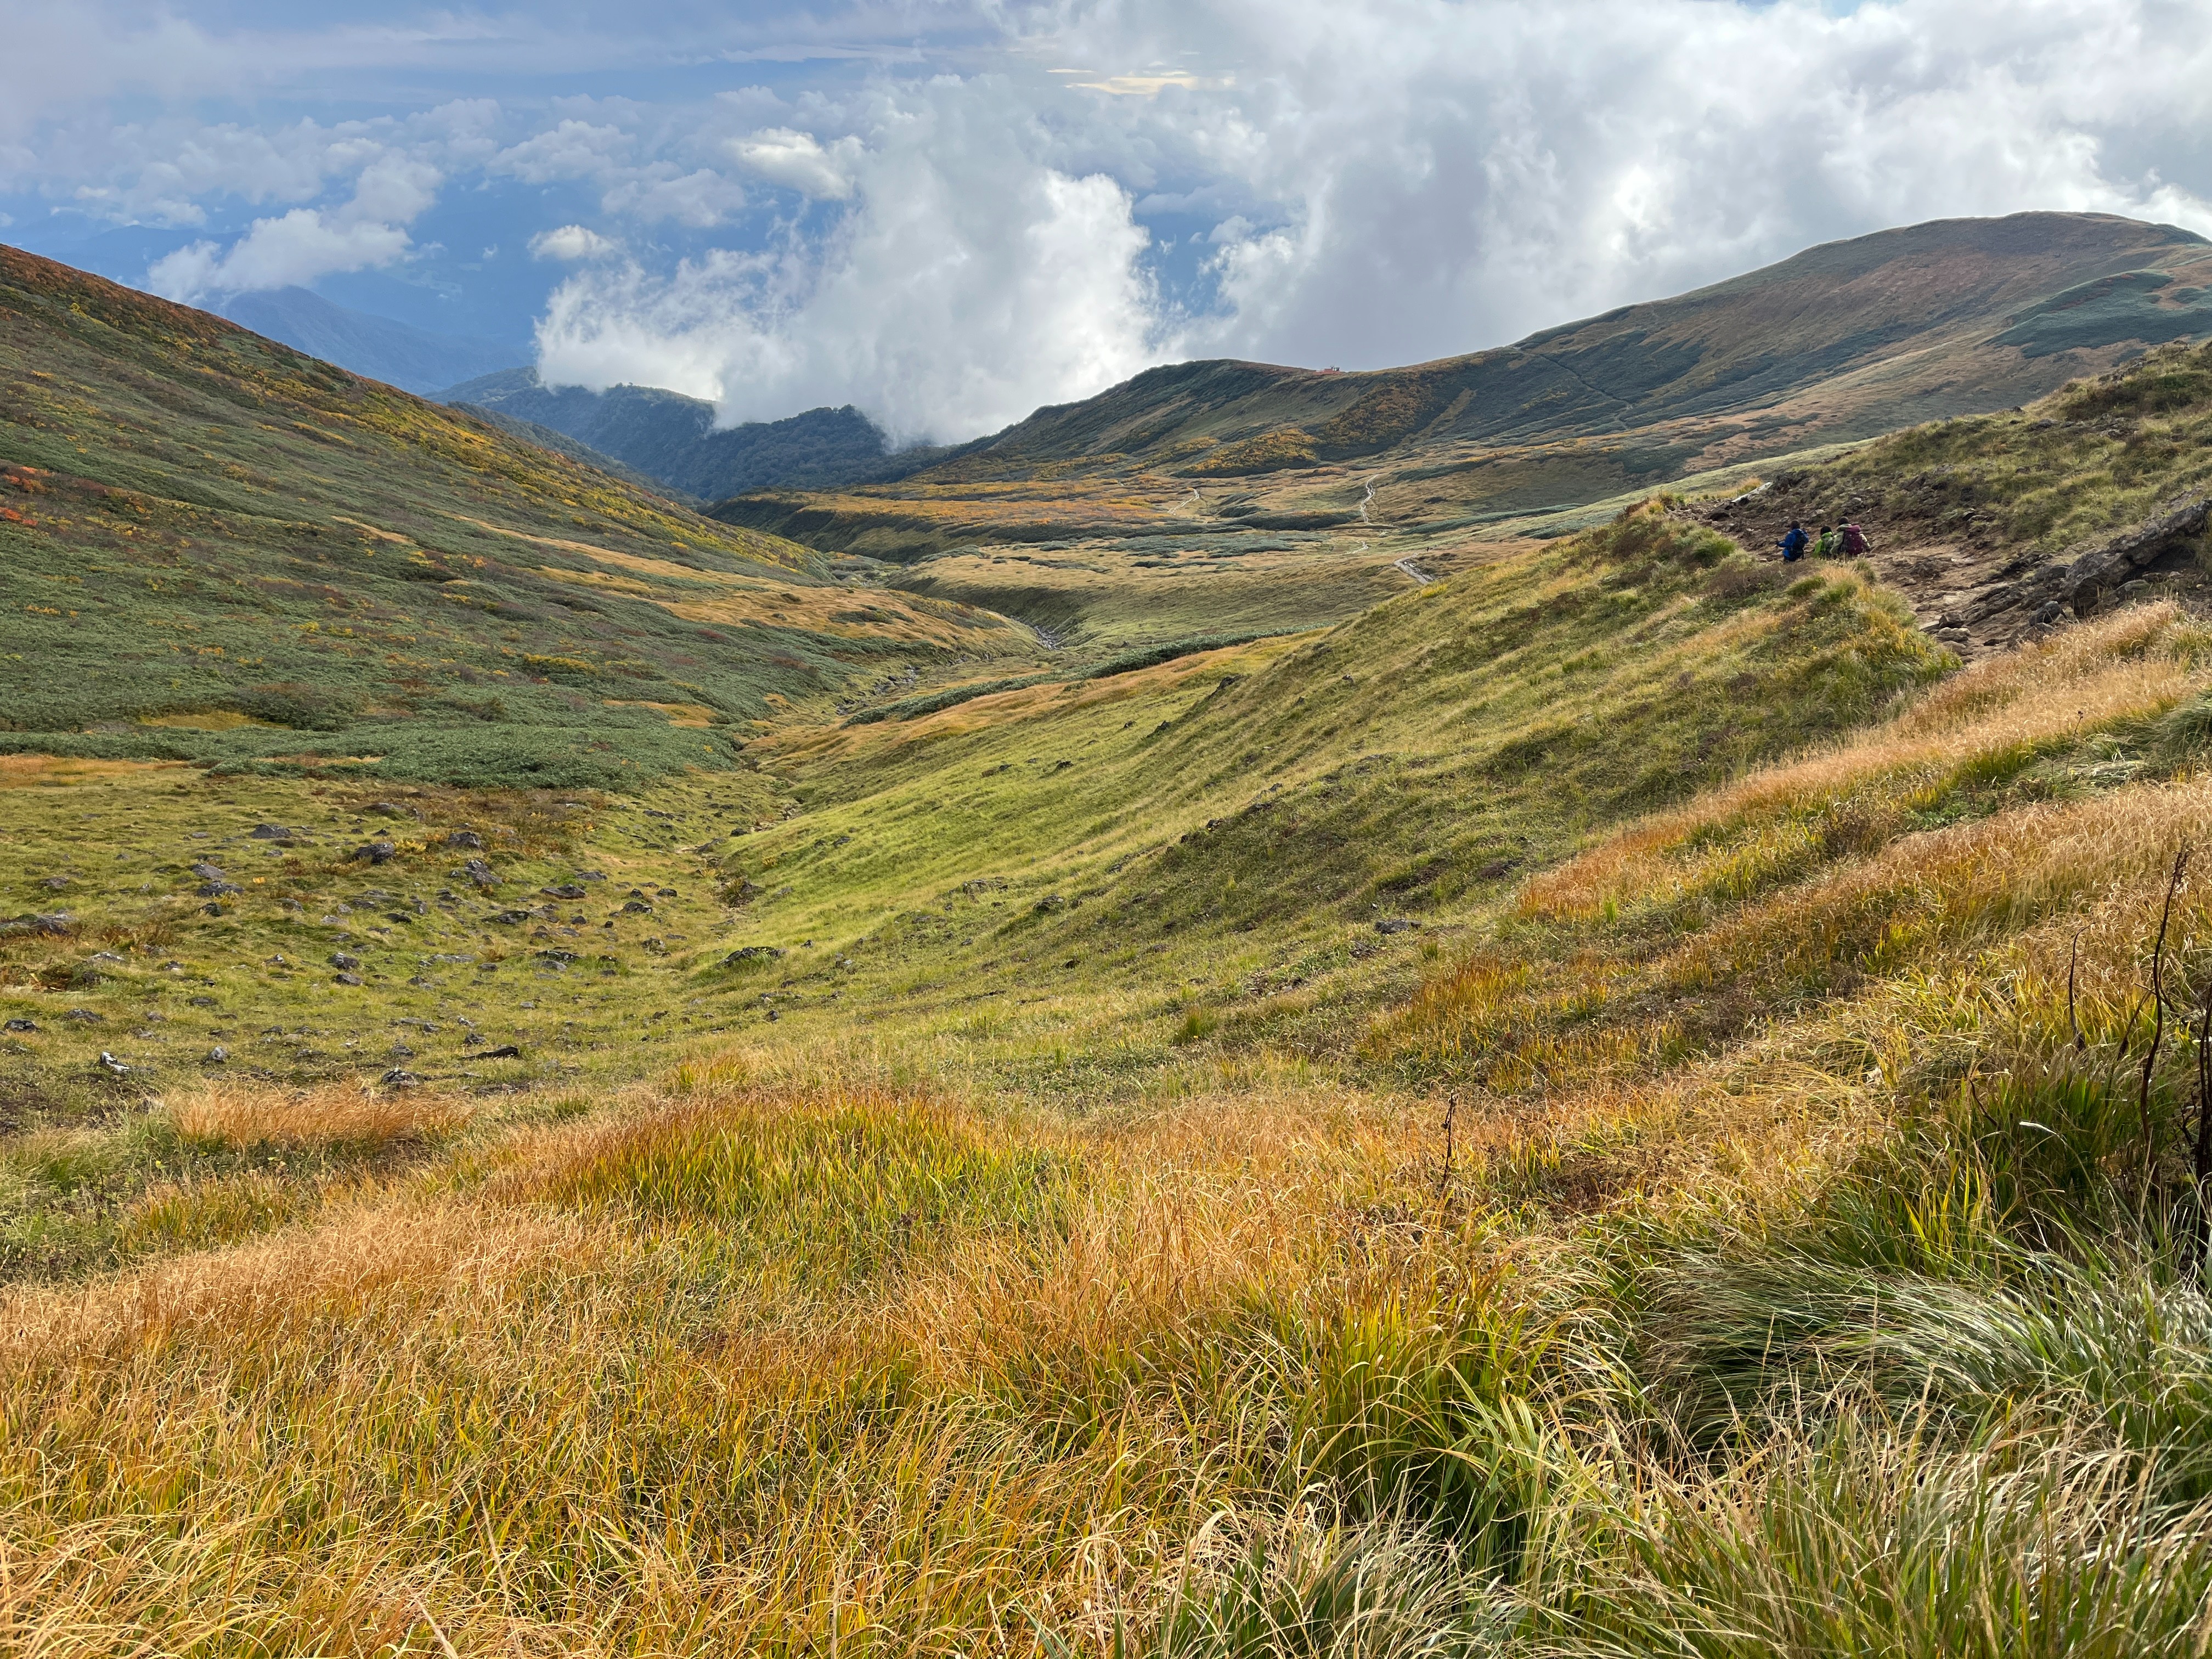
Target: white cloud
[(969, 281), (1425, 178), (798, 161), (1382, 181), (571, 149), (1352, 181), (700, 198), (307, 243), (570, 242)]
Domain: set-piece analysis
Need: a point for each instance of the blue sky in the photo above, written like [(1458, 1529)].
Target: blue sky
[(951, 213)]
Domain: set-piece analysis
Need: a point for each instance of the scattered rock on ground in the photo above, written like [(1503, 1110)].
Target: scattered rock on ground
[(376, 851), (54, 924)]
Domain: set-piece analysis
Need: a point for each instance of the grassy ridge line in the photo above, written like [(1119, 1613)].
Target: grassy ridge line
[(2102, 455), (200, 522), (1273, 794)]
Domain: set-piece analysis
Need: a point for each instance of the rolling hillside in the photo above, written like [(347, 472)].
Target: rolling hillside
[(214, 548), (1618, 1101)]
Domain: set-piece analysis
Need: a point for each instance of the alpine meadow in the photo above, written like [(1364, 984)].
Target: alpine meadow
[(1275, 1014)]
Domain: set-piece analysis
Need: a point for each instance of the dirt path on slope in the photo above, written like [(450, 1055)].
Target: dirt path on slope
[(1968, 586)]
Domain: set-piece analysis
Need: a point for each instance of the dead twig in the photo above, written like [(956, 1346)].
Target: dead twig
[(2072, 1020), (2157, 1014), (2201, 1160), (1444, 1174)]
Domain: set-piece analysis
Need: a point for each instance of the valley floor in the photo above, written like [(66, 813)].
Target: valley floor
[(1616, 1102)]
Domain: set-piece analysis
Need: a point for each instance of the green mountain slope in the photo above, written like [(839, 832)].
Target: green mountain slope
[(1837, 344), (213, 547)]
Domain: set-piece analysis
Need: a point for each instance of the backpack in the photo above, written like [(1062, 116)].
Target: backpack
[(1793, 547), (1854, 541)]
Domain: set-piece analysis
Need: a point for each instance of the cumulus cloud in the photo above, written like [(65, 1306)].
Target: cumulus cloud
[(800, 161), (1379, 181), (1026, 201), (571, 149), (572, 242), (307, 243), (659, 193), (967, 282), (1401, 179)]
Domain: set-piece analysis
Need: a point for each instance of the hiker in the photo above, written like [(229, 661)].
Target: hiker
[(1854, 540), (1793, 544), (1828, 543)]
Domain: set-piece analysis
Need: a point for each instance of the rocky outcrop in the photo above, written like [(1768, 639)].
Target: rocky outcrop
[(2114, 560)]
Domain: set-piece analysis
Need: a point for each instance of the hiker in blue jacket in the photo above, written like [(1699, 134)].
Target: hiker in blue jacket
[(1793, 544)]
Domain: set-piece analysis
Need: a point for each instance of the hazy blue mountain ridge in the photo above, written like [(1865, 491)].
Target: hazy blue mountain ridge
[(673, 438), (380, 347)]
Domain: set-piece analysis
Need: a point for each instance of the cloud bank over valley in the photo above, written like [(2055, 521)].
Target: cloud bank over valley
[(950, 216)]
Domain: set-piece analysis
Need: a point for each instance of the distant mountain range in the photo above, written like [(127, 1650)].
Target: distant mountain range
[(670, 437), (1842, 342), (380, 347)]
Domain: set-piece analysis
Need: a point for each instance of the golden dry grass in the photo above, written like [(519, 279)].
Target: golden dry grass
[(2134, 666), (32, 771), (246, 1115), (513, 1417)]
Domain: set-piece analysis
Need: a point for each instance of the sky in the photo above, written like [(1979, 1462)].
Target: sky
[(950, 214)]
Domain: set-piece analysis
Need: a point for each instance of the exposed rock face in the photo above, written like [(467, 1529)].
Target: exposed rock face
[(2113, 561)]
